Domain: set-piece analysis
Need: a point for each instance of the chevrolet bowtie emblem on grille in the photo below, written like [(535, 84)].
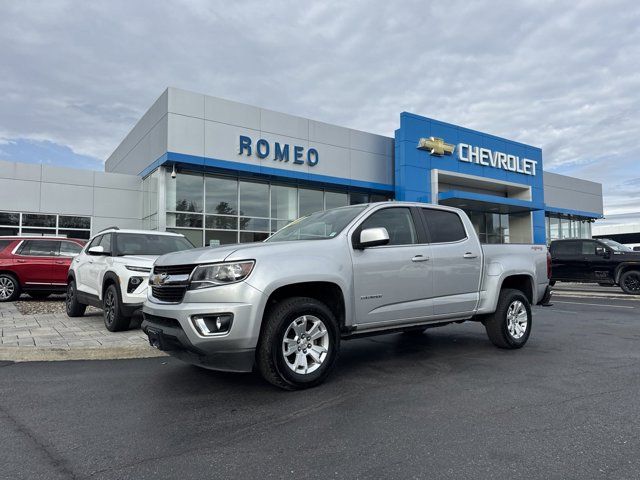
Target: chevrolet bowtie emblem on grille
[(436, 146), (158, 279)]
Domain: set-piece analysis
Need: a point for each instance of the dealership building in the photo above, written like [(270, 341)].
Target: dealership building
[(224, 172)]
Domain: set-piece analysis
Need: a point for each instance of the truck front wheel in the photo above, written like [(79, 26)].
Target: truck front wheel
[(510, 325), (630, 282), (299, 343)]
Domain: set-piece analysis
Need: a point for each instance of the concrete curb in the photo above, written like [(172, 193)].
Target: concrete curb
[(39, 354)]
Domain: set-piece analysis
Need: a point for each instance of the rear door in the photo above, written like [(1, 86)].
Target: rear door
[(34, 262), (67, 249), (456, 262), (84, 272), (393, 282), (568, 262)]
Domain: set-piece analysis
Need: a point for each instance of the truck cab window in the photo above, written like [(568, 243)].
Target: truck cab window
[(397, 221), (443, 226)]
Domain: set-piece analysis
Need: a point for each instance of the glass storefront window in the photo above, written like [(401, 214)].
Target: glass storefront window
[(194, 236), (184, 220), (184, 193), (9, 219), (38, 220), (310, 201), (257, 224), (246, 237), (220, 222), (254, 199), (227, 210), (213, 238), (355, 198), (284, 202), (222, 195), (335, 200)]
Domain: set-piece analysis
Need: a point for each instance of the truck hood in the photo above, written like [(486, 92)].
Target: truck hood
[(233, 252), (137, 260)]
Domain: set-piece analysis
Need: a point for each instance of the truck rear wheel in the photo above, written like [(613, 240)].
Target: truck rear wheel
[(299, 344), (630, 282), (510, 325)]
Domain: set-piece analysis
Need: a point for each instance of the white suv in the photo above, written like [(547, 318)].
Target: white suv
[(112, 272)]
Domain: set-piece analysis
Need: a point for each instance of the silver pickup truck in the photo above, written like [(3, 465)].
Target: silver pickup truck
[(284, 305)]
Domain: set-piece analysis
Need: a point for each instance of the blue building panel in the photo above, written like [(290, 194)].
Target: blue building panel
[(490, 157)]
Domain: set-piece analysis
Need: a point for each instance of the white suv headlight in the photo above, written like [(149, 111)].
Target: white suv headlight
[(220, 274)]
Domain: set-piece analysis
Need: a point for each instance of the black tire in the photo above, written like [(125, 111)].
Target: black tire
[(270, 358), (630, 282), (39, 295), (73, 306), (497, 324), (9, 287), (114, 320)]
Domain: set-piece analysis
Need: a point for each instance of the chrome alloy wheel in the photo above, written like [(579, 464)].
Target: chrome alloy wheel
[(517, 319), (109, 307), (305, 344), (7, 287)]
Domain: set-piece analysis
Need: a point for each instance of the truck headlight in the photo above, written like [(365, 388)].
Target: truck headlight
[(220, 274)]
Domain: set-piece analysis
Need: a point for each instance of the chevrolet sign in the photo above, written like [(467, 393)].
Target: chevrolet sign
[(489, 158), (481, 156)]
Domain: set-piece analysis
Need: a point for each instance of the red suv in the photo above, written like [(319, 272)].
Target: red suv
[(35, 265)]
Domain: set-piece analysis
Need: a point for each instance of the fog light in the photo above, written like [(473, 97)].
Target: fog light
[(134, 282), (212, 324)]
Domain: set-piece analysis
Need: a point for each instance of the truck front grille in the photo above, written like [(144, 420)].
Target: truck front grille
[(174, 269), (169, 293)]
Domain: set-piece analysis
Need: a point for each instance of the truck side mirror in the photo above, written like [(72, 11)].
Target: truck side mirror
[(603, 252), (373, 237)]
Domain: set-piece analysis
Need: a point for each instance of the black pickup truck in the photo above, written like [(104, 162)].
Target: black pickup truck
[(601, 261)]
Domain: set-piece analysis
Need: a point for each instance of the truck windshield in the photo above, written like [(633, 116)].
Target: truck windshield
[(615, 246), (150, 244), (319, 225)]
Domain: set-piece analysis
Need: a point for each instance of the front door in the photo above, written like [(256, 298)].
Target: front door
[(456, 265), (597, 268), (393, 282)]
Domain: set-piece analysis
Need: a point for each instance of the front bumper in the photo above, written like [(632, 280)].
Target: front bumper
[(170, 327)]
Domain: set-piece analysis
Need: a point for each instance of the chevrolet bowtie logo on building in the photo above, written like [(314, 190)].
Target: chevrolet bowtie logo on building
[(436, 146)]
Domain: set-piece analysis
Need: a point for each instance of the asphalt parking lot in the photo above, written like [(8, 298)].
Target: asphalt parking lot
[(445, 404)]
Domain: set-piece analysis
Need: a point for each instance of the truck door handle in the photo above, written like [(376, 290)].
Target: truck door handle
[(420, 258), (470, 255), (21, 261)]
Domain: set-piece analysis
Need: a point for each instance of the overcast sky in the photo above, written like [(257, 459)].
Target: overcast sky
[(565, 76)]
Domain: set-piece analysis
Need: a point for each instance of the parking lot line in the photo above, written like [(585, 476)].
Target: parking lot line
[(593, 304)]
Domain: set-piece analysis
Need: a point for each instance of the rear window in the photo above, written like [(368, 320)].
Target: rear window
[(4, 244), (566, 248), (150, 244), (39, 248), (443, 226)]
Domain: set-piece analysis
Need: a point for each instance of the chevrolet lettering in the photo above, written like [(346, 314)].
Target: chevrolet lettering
[(489, 158)]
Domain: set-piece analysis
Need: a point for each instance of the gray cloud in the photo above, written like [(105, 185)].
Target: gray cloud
[(560, 75)]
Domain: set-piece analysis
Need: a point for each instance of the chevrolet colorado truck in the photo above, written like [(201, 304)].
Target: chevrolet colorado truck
[(284, 305)]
